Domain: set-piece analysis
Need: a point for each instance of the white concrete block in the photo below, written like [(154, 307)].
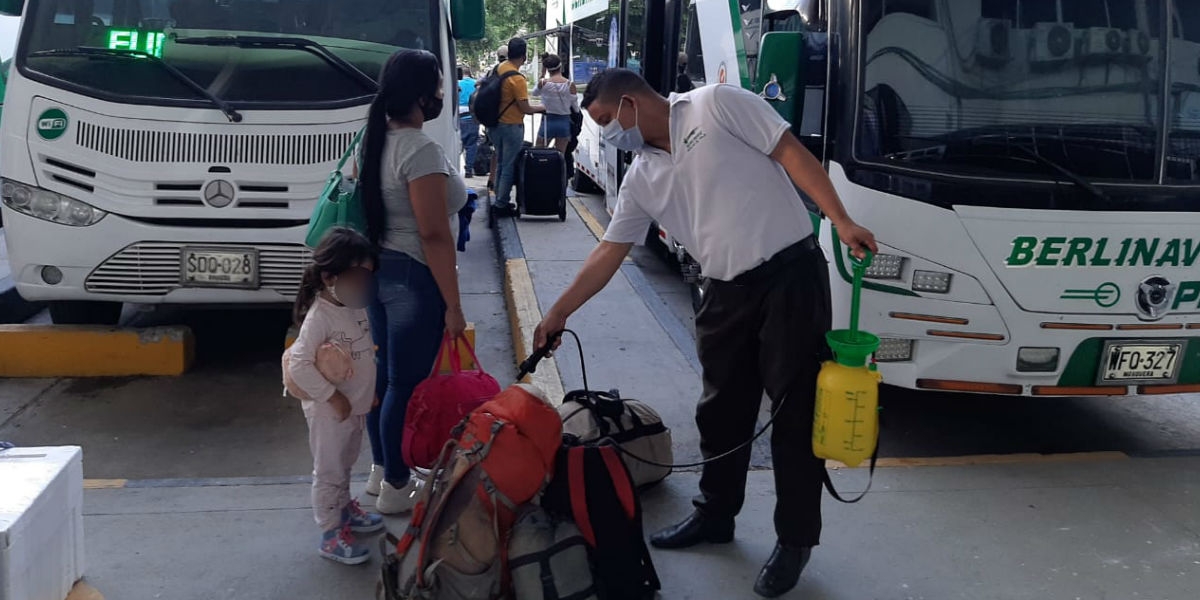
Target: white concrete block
[(41, 522)]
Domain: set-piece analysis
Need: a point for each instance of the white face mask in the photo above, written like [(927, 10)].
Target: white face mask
[(348, 295), (631, 139)]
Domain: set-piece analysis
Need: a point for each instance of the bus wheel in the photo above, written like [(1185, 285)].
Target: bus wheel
[(85, 313), (584, 184)]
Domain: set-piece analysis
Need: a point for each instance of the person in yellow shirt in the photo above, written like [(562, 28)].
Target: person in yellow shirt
[(508, 135)]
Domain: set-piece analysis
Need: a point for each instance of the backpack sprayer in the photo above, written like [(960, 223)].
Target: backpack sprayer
[(846, 413)]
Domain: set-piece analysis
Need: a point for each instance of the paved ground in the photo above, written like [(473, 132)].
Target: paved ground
[(210, 497)]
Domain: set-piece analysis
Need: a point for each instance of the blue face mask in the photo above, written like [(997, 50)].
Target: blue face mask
[(631, 139)]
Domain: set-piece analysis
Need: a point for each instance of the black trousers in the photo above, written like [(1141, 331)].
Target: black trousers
[(765, 330)]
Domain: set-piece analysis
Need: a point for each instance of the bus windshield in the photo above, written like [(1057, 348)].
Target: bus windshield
[(1044, 90), (334, 35)]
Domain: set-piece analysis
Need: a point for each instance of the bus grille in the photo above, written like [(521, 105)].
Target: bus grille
[(152, 268), (213, 148)]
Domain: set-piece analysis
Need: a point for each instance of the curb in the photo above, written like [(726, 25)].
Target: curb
[(14, 308), (523, 311), (85, 351)]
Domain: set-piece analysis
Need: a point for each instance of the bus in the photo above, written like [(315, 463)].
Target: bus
[(1031, 169), (172, 151)]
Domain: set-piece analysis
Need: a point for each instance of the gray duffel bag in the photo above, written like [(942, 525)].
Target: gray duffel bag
[(637, 428), (548, 559)]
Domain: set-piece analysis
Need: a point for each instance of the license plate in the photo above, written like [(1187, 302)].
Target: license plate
[(1141, 362), (225, 267)]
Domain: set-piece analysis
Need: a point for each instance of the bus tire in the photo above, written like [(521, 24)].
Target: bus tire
[(584, 184), (76, 312)]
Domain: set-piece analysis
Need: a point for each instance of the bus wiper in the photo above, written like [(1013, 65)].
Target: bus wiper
[(296, 43), (1006, 141), (233, 115)]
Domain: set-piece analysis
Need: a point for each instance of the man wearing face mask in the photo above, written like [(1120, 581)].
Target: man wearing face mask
[(718, 168)]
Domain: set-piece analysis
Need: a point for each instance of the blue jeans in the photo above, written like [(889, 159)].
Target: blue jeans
[(507, 139), (408, 318), (468, 132)]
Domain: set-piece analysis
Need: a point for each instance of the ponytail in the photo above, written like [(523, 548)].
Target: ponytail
[(310, 285), (339, 251), (371, 178)]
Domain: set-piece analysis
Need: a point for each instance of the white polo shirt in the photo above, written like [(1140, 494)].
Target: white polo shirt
[(718, 192)]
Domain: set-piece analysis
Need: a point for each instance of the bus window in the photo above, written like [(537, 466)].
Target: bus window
[(690, 46), (592, 42), (635, 34)]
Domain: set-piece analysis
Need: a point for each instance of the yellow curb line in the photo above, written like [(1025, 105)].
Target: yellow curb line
[(523, 317), (590, 220), (83, 591), (987, 459), (104, 484), (85, 351)]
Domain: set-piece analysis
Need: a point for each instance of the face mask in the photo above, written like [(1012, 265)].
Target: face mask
[(431, 108), (348, 295), (630, 139)]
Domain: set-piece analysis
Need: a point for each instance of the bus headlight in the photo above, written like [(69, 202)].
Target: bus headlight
[(48, 206)]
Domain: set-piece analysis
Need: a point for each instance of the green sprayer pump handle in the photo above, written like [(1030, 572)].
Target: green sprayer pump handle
[(859, 266)]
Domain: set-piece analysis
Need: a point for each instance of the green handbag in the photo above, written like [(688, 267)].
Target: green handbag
[(340, 204)]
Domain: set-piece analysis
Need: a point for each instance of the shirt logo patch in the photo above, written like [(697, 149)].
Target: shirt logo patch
[(693, 138)]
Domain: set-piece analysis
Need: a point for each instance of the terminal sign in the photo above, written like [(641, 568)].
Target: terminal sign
[(134, 40)]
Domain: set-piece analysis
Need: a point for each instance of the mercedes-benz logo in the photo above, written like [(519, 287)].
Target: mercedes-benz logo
[(218, 193), (1154, 296)]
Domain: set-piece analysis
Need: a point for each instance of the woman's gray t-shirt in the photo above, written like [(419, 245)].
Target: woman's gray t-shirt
[(409, 154)]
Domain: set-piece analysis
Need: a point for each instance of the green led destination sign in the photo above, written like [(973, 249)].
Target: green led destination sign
[(135, 40)]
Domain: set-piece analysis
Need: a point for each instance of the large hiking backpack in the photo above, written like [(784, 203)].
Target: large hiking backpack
[(548, 558), (592, 487), (595, 416), (502, 456), (484, 103)]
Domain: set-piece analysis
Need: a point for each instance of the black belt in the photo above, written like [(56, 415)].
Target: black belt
[(776, 263)]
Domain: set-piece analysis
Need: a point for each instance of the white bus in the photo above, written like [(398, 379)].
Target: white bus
[(171, 151), (1031, 169)]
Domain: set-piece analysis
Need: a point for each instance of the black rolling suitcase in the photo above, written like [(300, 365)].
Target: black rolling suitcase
[(542, 183)]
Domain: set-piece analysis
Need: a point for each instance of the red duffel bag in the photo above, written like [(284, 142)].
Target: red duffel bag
[(441, 402)]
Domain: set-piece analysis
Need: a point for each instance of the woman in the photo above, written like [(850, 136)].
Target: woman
[(558, 95), (410, 189)]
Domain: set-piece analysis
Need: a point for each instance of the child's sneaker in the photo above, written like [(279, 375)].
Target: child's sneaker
[(339, 545), (359, 520), (374, 479)]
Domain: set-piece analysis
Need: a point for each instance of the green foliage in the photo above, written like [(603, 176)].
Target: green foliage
[(505, 20)]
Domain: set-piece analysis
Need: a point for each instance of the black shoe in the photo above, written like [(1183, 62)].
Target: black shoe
[(782, 571), (693, 530), (469, 174)]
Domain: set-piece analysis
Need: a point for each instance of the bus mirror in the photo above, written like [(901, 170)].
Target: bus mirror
[(467, 17), (11, 8), (781, 61)]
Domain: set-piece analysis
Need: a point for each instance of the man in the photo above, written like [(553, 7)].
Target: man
[(510, 133), (716, 168), (683, 83), (501, 57), (468, 129)]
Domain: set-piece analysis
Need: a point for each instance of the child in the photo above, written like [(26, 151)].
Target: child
[(331, 367)]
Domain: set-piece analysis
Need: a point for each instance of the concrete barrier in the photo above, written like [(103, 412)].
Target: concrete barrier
[(87, 351)]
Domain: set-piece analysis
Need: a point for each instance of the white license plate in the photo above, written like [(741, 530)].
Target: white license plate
[(225, 267), (1141, 362)]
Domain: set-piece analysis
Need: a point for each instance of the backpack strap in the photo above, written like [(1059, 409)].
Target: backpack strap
[(578, 494), (620, 478), (870, 479)]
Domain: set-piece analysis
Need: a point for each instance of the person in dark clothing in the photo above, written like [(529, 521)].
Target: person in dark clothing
[(683, 83), (766, 306)]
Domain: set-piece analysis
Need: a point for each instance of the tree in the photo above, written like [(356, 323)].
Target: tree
[(505, 19)]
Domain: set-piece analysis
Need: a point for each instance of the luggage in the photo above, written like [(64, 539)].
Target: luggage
[(483, 159), (502, 456), (594, 416), (484, 103), (542, 183), (592, 487), (548, 559), (441, 402), (340, 203)]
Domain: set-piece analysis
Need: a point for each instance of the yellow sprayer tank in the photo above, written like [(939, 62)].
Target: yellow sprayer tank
[(846, 415)]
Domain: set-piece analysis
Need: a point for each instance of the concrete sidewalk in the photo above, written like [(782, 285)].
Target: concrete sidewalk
[(1114, 528)]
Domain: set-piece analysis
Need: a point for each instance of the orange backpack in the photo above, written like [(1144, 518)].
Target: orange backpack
[(504, 455)]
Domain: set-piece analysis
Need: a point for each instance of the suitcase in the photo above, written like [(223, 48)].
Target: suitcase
[(483, 159), (542, 183)]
